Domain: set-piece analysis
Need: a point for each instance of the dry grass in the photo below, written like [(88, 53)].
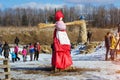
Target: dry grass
[(48, 72), (26, 35), (45, 36), (98, 33)]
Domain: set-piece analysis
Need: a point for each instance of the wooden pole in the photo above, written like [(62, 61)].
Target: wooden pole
[(7, 69)]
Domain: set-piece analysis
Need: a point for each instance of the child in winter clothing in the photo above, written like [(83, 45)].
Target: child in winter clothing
[(31, 51), (24, 53), (13, 56), (16, 52)]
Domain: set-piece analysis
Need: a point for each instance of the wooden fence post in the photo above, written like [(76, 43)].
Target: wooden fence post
[(7, 69)]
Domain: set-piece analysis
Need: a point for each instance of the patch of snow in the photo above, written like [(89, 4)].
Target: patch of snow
[(94, 60)]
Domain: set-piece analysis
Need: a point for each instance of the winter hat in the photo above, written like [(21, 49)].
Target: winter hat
[(58, 15)]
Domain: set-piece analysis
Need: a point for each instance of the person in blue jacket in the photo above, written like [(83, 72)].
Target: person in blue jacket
[(31, 51), (13, 55)]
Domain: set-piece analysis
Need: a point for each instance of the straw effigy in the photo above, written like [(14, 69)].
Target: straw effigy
[(80, 23), (43, 25)]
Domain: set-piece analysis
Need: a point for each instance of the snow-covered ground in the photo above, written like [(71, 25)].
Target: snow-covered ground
[(104, 70)]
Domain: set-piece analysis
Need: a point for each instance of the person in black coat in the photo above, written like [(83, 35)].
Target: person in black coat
[(16, 40), (89, 35), (6, 50)]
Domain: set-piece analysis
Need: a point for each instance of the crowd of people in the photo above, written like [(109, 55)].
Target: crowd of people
[(31, 49), (112, 44)]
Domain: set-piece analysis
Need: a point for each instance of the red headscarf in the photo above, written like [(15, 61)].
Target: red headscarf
[(58, 15)]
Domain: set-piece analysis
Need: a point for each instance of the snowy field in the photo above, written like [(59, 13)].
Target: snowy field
[(90, 67)]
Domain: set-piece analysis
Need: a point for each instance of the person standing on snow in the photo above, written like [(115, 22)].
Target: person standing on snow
[(24, 53), (6, 50), (37, 51), (16, 41), (107, 44), (13, 56), (112, 46), (16, 52), (61, 58), (89, 35), (31, 51)]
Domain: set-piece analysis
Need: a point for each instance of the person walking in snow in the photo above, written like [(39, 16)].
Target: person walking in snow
[(24, 53), (16, 52), (6, 50), (107, 44), (13, 56), (61, 58), (31, 51)]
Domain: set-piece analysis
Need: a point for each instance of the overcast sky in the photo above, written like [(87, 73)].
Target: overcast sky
[(53, 3)]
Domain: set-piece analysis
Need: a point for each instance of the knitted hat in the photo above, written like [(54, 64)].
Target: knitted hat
[(58, 15)]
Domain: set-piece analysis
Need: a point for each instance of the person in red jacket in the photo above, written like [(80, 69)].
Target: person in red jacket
[(61, 58)]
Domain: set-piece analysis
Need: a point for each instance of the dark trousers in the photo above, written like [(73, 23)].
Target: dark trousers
[(112, 53), (16, 43), (107, 51), (13, 59), (31, 56), (1, 53), (36, 55), (17, 57), (89, 39), (6, 56)]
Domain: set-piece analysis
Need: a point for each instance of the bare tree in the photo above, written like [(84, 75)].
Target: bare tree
[(100, 16)]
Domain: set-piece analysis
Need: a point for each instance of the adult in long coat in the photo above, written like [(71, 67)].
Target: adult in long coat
[(6, 50), (61, 58)]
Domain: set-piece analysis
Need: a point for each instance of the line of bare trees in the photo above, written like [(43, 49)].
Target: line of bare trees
[(98, 16)]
